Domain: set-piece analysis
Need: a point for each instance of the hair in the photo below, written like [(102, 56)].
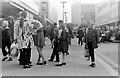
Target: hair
[(55, 23), (60, 21), (79, 27), (23, 15), (5, 22), (35, 17)]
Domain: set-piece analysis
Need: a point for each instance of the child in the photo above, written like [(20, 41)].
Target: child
[(6, 41)]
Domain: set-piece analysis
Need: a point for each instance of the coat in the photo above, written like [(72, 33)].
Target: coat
[(63, 42), (11, 26), (6, 37), (80, 33), (52, 33), (95, 40), (22, 34), (1, 29)]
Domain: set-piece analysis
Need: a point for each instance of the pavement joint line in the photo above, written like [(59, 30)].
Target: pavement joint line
[(108, 60), (107, 67)]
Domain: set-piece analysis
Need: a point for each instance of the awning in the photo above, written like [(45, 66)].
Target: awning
[(8, 9)]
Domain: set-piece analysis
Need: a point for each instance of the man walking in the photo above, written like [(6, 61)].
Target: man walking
[(55, 44), (80, 35), (91, 40)]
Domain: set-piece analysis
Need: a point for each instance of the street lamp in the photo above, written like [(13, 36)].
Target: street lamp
[(63, 9), (65, 17)]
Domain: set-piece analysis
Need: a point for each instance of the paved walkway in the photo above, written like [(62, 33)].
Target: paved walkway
[(76, 65)]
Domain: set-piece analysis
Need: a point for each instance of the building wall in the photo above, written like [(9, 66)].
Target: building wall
[(83, 12), (76, 13), (106, 13), (88, 12), (44, 7), (53, 10), (119, 10)]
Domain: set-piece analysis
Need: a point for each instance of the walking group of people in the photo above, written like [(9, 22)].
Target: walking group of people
[(26, 33)]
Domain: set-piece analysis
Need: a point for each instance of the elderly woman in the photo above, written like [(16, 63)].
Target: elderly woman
[(24, 38), (6, 41)]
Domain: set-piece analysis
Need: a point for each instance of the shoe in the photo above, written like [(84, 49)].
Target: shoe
[(30, 65), (58, 65), (39, 63), (10, 59), (92, 65), (50, 60), (67, 53), (4, 58), (26, 66), (63, 63), (45, 62)]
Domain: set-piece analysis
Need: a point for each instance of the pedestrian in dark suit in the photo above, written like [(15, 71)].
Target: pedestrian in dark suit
[(80, 35), (91, 39), (55, 44)]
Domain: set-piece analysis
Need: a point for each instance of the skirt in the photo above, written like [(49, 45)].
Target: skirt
[(39, 39)]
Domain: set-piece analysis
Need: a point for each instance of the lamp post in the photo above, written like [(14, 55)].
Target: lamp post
[(63, 9), (65, 17)]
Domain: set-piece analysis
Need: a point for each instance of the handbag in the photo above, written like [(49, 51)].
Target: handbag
[(86, 53), (14, 49)]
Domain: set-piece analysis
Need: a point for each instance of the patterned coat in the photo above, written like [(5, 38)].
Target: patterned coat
[(23, 34)]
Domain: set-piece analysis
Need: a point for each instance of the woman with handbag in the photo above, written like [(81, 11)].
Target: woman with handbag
[(22, 35)]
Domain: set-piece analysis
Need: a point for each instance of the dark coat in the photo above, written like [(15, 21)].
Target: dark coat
[(52, 33), (1, 29), (80, 33), (63, 42), (6, 38), (95, 38), (11, 26)]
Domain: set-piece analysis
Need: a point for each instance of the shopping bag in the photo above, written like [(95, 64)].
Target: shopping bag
[(14, 50), (86, 53)]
